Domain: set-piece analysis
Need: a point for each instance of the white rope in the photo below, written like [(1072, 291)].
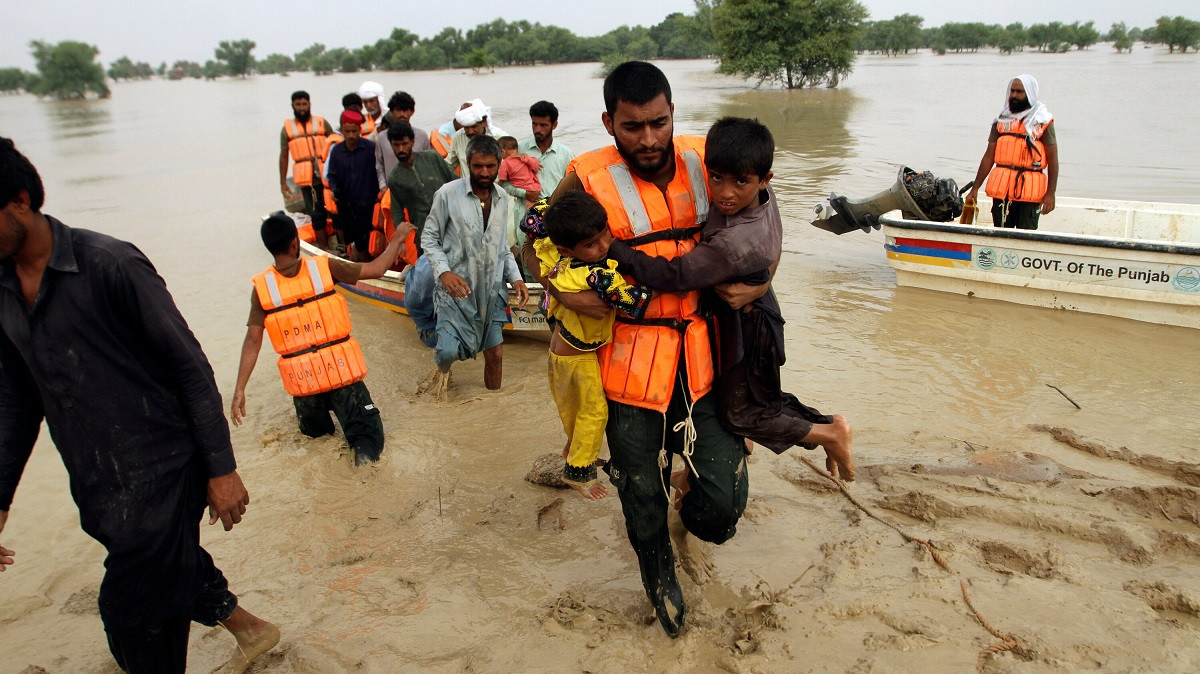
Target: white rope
[(688, 428), (664, 461)]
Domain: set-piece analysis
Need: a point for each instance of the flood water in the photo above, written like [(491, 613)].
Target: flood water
[(186, 169)]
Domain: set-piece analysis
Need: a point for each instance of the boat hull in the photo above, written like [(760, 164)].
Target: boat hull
[(387, 292), (1151, 280)]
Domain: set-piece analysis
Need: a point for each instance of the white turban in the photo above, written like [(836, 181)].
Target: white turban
[(370, 90), (470, 116), (1036, 117)]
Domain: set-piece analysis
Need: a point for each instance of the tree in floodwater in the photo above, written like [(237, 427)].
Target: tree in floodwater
[(125, 69), (1177, 32), (897, 35), (796, 43), (1119, 36), (13, 80), (1083, 35), (67, 70), (236, 56)]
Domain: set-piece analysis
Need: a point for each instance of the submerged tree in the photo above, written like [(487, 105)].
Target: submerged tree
[(67, 70), (1177, 32), (236, 56), (13, 80), (1119, 36), (796, 43)]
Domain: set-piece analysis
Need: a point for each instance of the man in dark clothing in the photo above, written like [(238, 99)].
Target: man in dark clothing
[(354, 182), (414, 180), (91, 340)]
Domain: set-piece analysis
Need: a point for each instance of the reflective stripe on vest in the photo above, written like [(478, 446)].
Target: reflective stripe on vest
[(639, 366), (309, 327), (305, 148), (1019, 173)]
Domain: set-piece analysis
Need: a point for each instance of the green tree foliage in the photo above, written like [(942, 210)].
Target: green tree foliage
[(67, 70), (235, 54), (899, 35), (1011, 38), (1053, 37), (1118, 34), (796, 43), (680, 36), (182, 69), (125, 69), (214, 69), (275, 64), (1175, 32), (13, 80), (479, 58), (1083, 35)]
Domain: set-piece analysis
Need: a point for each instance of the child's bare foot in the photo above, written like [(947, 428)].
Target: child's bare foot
[(592, 491), (749, 445), (567, 448)]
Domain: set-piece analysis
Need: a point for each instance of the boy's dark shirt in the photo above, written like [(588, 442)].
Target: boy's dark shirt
[(741, 247), (352, 175)]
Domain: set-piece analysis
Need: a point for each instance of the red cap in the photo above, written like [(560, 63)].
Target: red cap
[(352, 117)]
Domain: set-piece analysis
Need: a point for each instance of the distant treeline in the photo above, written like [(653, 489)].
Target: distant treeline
[(904, 33), (745, 45)]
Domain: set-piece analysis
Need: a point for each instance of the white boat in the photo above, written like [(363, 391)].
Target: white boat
[(1136, 260), (388, 292)]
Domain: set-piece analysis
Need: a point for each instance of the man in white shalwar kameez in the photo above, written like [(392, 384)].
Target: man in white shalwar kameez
[(466, 242)]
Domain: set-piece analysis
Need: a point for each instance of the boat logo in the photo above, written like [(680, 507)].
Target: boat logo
[(1187, 279), (985, 258), (1009, 260)]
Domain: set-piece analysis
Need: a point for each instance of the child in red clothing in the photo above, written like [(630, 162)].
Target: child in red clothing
[(519, 171)]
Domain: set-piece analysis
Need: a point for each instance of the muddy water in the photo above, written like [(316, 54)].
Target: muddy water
[(434, 557)]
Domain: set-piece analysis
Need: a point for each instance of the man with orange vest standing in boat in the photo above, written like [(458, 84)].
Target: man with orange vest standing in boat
[(303, 139), (308, 322), (658, 371), (1024, 151)]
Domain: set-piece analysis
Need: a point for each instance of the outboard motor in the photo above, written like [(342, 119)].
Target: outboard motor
[(919, 196)]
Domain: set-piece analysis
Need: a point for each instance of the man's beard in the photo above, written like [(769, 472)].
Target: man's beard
[(478, 183), (639, 165), (403, 157), (303, 116), (1018, 105)]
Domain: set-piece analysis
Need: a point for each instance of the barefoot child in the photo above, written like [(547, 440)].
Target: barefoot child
[(741, 242), (571, 239), (519, 172)]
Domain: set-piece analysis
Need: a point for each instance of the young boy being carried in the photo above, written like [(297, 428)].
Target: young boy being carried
[(572, 239), (742, 241), (518, 172)]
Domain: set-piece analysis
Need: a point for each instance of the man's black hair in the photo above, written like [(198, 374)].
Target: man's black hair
[(485, 145), (18, 173), (507, 142), (401, 100), (400, 130), (635, 82), (574, 218), (739, 146), (544, 109), (296, 95), (352, 100), (278, 232)]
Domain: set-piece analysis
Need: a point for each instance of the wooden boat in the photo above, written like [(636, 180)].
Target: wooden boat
[(1136, 260), (388, 292)]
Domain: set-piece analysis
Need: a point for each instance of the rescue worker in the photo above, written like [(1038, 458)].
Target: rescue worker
[(303, 139), (658, 371), (322, 365), (1024, 151)]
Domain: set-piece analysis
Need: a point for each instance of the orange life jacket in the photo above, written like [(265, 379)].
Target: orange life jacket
[(330, 202), (307, 148), (368, 125), (383, 229), (309, 327), (440, 142), (640, 364), (1019, 174)]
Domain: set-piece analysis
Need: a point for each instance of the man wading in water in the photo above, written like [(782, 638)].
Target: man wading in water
[(91, 340), (658, 371)]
